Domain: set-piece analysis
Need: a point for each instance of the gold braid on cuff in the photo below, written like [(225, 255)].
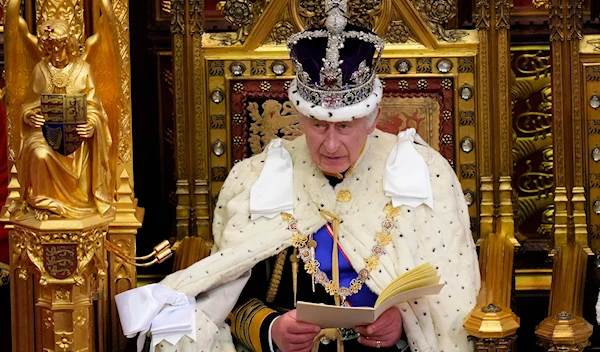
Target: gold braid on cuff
[(246, 322)]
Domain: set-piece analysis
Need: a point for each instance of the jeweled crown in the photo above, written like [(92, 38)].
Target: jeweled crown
[(335, 67)]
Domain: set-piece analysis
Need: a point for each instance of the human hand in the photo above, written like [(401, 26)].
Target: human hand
[(34, 118), (86, 130), (291, 335), (387, 330)]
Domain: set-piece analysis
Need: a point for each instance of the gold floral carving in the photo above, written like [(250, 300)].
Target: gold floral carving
[(398, 32), (48, 319), (556, 21), (484, 98), (558, 115), (281, 32), (502, 14), (276, 119), (243, 14), (121, 11), (311, 13), (538, 4), (200, 142), (483, 15), (576, 110), (28, 247), (80, 317), (196, 16), (64, 340), (178, 17), (504, 101), (574, 20), (437, 13), (63, 293)]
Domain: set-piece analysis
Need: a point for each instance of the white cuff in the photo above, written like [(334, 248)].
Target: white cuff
[(270, 338)]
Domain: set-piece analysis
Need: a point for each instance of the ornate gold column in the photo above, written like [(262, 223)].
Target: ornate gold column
[(193, 200), (564, 329), (491, 324), (67, 261)]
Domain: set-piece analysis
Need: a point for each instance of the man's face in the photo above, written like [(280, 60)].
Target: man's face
[(334, 147)]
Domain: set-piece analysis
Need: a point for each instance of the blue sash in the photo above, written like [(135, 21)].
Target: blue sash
[(324, 239)]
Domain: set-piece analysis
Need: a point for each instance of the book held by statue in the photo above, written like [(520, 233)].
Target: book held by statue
[(415, 283)]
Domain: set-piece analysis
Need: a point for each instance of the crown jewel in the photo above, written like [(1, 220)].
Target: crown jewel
[(343, 73)]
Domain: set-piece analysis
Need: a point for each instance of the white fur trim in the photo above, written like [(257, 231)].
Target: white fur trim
[(441, 237), (598, 309), (346, 113)]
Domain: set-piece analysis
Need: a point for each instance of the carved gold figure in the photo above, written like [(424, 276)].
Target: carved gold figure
[(80, 183)]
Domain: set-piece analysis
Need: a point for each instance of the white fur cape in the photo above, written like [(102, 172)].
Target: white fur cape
[(440, 236)]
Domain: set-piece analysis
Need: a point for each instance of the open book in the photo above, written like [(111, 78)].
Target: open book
[(417, 282)]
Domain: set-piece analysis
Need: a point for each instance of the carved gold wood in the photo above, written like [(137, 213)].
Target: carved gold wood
[(564, 325), (65, 261), (121, 276), (492, 320), (590, 57)]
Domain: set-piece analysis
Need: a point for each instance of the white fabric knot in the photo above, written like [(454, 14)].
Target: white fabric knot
[(168, 314), (273, 192), (406, 176)]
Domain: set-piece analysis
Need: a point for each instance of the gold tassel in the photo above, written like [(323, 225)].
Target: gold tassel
[(294, 259), (276, 277), (331, 335)]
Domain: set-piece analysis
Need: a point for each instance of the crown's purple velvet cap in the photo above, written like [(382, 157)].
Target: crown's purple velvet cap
[(310, 53)]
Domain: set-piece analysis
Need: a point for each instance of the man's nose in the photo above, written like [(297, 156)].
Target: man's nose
[(332, 140)]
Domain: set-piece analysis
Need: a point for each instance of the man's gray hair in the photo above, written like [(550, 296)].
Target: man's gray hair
[(370, 118)]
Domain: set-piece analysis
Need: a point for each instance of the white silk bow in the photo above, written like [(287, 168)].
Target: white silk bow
[(273, 192), (406, 177)]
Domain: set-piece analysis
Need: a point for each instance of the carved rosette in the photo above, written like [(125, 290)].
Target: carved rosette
[(437, 13), (281, 32), (398, 32), (243, 14), (59, 257), (311, 13)]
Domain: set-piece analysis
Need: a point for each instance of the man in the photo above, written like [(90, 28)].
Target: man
[(331, 217)]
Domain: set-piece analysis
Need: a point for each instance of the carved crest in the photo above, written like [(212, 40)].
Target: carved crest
[(60, 260)]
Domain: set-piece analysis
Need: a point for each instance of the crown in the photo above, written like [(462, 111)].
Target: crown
[(335, 67)]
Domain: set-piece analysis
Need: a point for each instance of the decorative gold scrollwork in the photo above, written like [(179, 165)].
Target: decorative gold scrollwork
[(436, 14), (275, 119), (241, 13), (29, 246), (311, 13), (535, 183)]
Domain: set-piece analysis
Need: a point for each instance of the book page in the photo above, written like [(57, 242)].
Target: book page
[(327, 316)]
